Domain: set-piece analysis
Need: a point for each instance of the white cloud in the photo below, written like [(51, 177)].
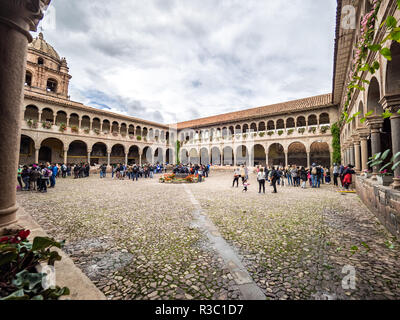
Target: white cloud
[(172, 60)]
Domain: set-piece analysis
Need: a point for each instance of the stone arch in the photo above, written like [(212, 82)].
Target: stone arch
[(312, 120), (238, 129), (61, 118), (115, 127), (297, 154), (52, 85), (133, 155), (106, 126), (184, 156), (26, 150), (271, 125), (169, 156), (245, 128), (242, 155), (123, 129), (204, 156), (131, 130), (117, 153), (280, 124), (276, 155), (290, 123), (301, 121), (74, 120), (99, 153), (96, 124), (393, 71), (85, 122), (253, 127), (374, 97), (147, 156), (324, 118), (158, 156), (47, 115), (260, 155), (138, 131), (228, 156), (31, 113), (261, 126), (77, 152), (215, 156), (194, 156), (320, 153), (28, 78)]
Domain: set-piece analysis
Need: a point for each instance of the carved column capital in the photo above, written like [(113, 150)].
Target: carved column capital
[(23, 15)]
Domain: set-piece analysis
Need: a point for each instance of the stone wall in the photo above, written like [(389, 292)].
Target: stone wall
[(384, 202)]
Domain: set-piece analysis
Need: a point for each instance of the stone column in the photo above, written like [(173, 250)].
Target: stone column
[(352, 160), (91, 125), (222, 158), (88, 156), (140, 158), (54, 119), (357, 155), (108, 158), (126, 158), (101, 126), (37, 155), (395, 127), (65, 156), (309, 159), (375, 124), (286, 158), (40, 117), (67, 124), (17, 18), (80, 123)]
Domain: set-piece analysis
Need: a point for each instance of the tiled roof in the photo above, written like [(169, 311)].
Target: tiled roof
[(290, 106)]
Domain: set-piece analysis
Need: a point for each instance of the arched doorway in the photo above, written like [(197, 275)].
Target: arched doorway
[(242, 156), (215, 156), (51, 150), (227, 156), (320, 154), (184, 156), (26, 151), (276, 155), (158, 156), (133, 155), (297, 155), (147, 156), (260, 156), (117, 154), (169, 156), (77, 152), (204, 157), (99, 154), (194, 156)]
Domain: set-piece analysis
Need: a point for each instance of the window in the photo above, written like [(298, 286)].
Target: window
[(52, 85), (28, 79), (40, 61)]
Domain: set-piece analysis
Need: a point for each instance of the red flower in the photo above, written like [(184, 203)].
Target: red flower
[(23, 234), (4, 239)]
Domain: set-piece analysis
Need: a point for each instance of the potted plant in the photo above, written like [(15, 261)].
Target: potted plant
[(312, 130), (261, 134), (290, 131), (301, 130), (280, 132), (324, 129), (139, 138), (63, 127), (47, 124), (96, 131), (385, 177), (86, 130), (270, 133), (131, 136), (22, 276), (75, 129)]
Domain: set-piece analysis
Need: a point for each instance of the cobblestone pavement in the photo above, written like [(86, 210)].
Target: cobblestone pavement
[(137, 240)]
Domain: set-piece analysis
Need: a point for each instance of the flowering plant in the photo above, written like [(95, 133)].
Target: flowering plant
[(96, 131), (86, 130), (19, 261), (63, 127), (47, 124), (75, 129), (301, 130)]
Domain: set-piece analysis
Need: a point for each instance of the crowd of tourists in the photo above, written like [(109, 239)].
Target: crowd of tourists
[(39, 177), (132, 172), (295, 176)]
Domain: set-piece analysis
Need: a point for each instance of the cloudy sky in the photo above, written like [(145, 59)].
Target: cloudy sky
[(176, 60)]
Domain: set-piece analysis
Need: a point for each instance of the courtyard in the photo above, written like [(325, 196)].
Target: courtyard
[(146, 240)]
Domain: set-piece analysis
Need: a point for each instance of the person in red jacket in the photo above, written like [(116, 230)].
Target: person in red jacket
[(347, 176)]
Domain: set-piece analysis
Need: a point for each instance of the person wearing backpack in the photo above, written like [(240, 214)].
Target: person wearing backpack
[(314, 173), (274, 178), (45, 174), (261, 180)]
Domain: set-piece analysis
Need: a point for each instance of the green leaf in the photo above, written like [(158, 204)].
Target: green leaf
[(398, 4), (395, 36), (396, 165), (25, 279), (362, 120), (369, 113), (391, 22), (38, 297), (394, 158), (8, 257), (385, 154), (365, 67), (54, 256), (377, 156), (375, 47), (386, 53), (386, 114), (17, 295), (365, 245), (385, 166), (376, 65), (41, 243)]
